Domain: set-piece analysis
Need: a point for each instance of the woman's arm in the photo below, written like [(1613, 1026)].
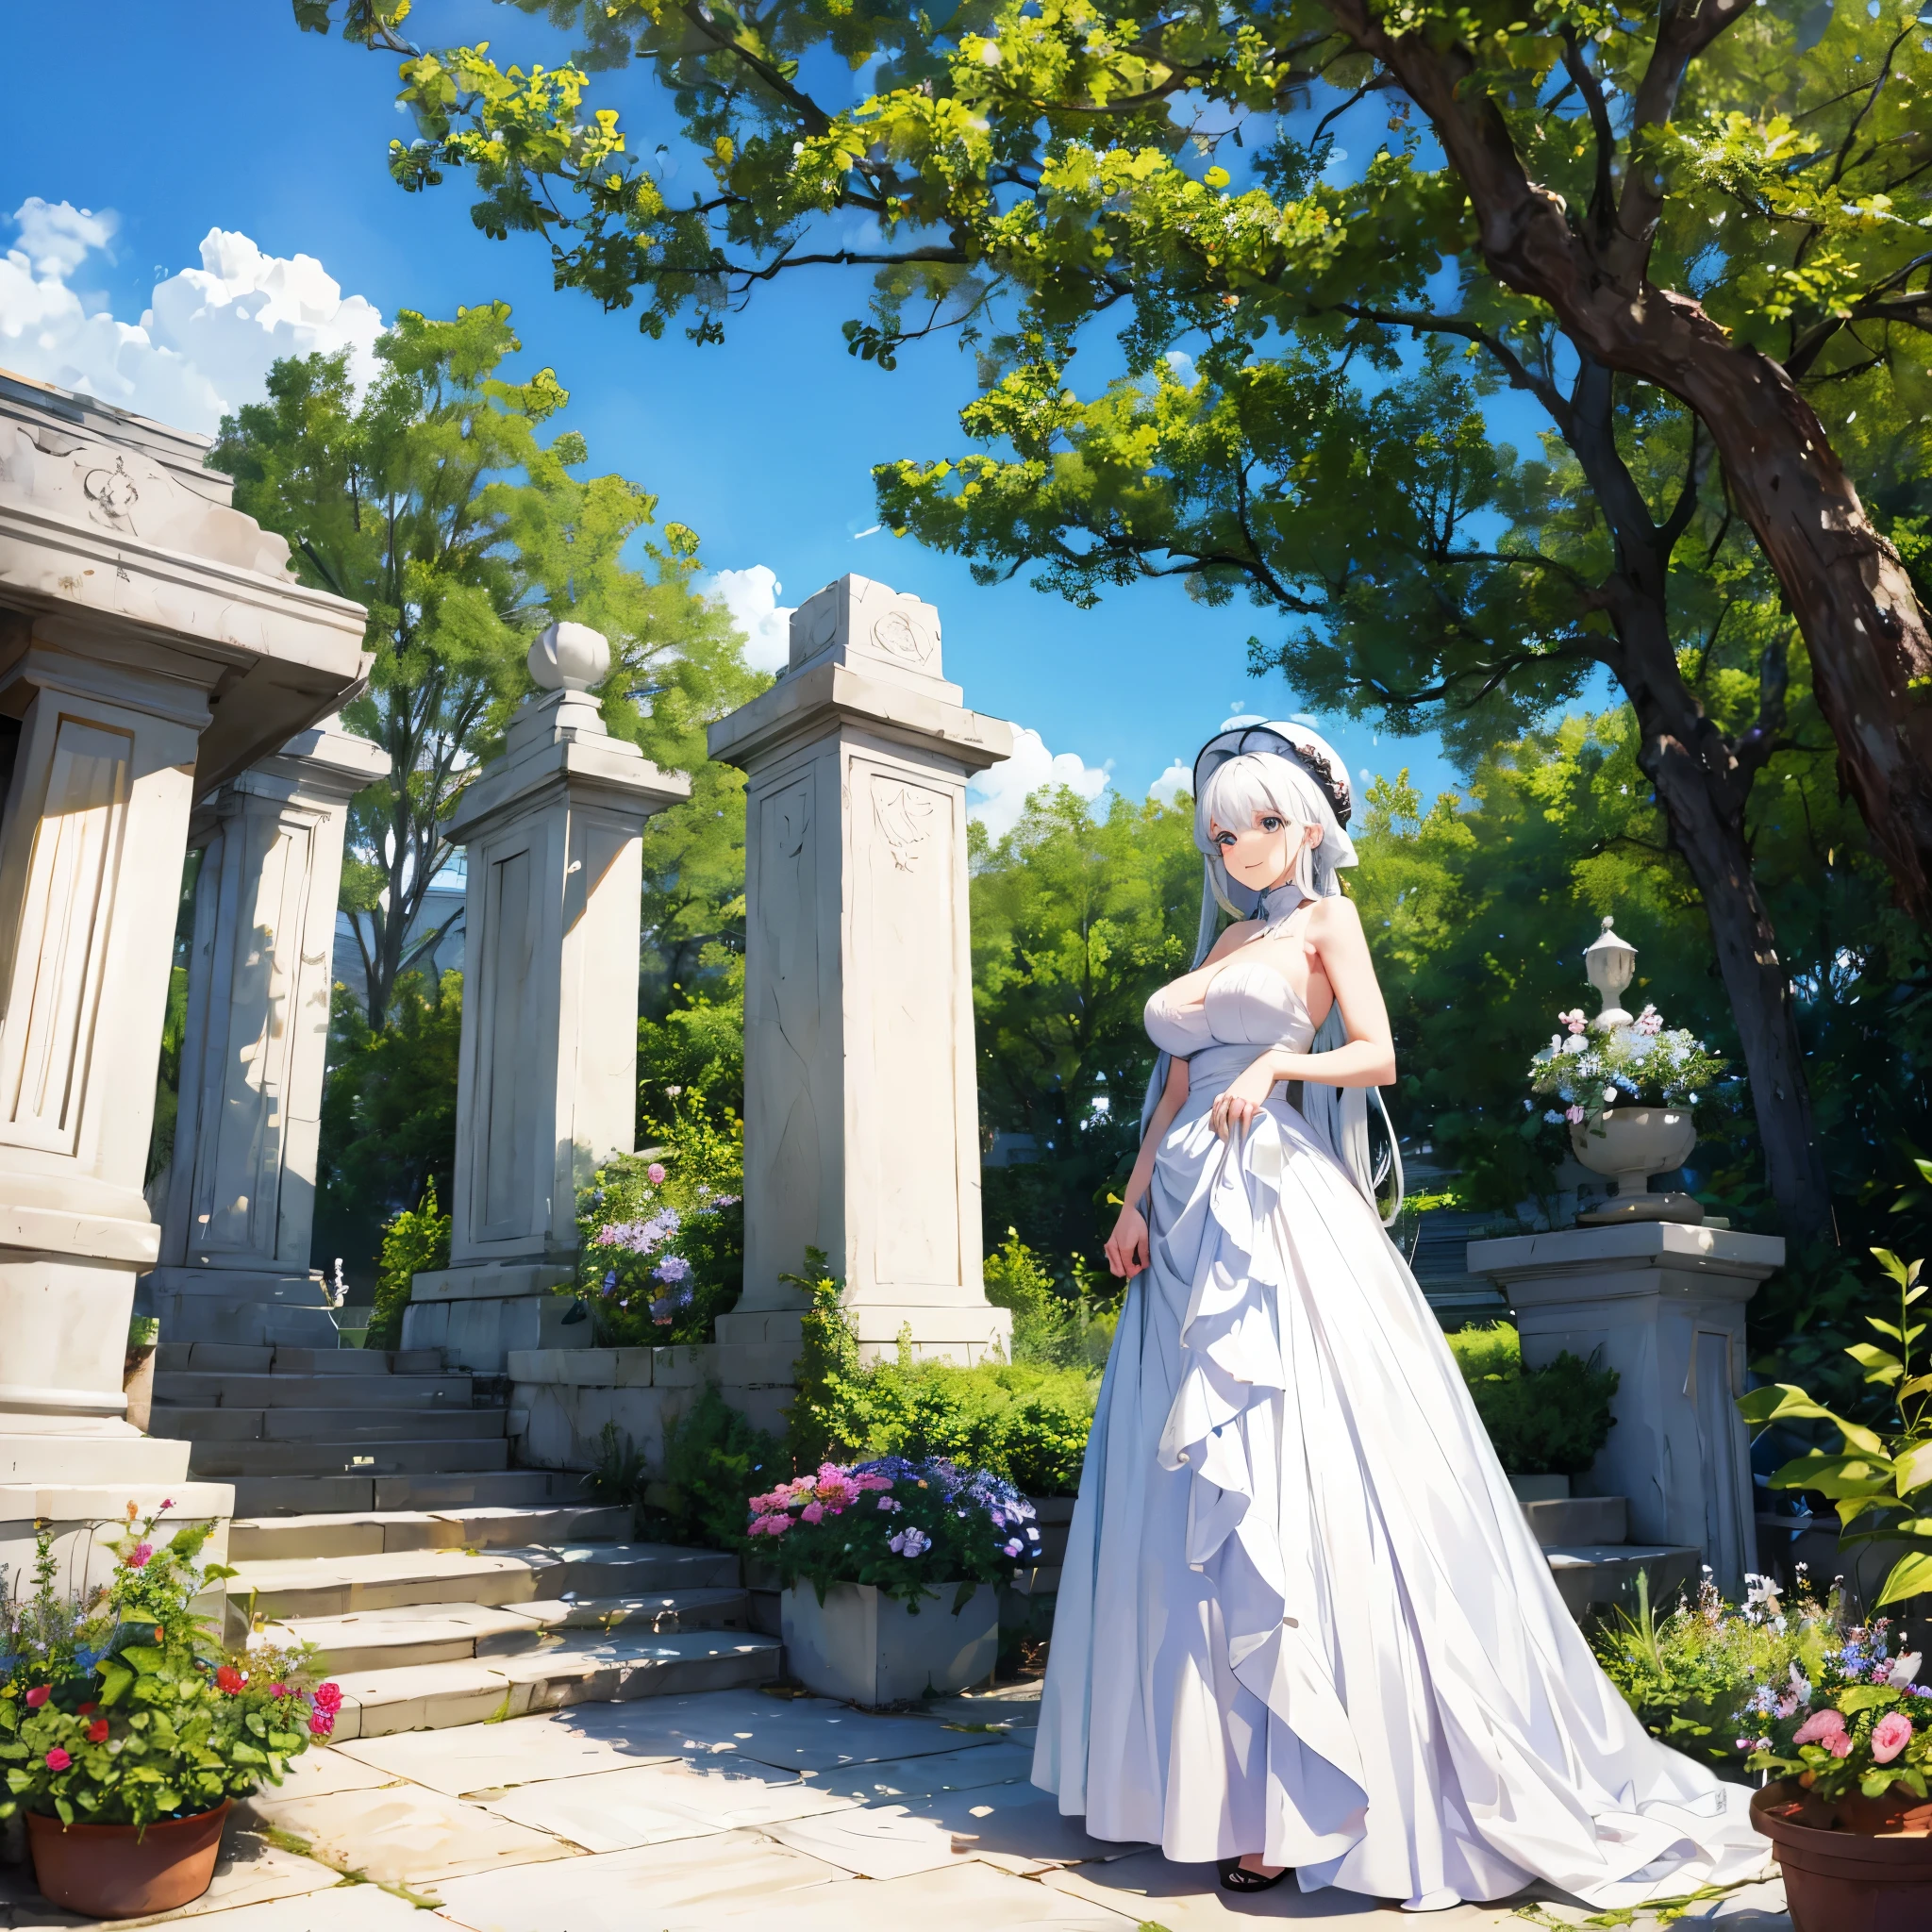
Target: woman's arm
[(1335, 933), (1126, 1246)]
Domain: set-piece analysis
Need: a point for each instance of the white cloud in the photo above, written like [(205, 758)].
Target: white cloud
[(997, 796), (752, 598), (204, 344), (1182, 364), (1178, 778)]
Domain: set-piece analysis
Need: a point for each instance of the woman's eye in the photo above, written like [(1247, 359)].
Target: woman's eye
[(1271, 825), (1224, 838)]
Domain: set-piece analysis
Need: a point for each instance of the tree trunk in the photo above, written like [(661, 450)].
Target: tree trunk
[(1871, 650), (1703, 788)]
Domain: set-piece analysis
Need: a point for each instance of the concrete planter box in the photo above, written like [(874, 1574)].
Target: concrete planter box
[(864, 1647)]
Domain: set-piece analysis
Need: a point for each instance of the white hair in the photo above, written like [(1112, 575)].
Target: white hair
[(1239, 791)]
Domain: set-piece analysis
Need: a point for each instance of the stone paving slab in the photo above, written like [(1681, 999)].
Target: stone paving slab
[(402, 1834), (970, 1898), (616, 1810), (497, 1758), (650, 1890), (919, 1778)]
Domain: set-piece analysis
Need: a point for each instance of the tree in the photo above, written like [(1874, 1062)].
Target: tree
[(1076, 919), (433, 501), (1725, 203)]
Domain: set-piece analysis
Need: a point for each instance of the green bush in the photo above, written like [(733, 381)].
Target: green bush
[(415, 1242), (1051, 1327), (1550, 1421), (714, 1461), (1027, 1421)]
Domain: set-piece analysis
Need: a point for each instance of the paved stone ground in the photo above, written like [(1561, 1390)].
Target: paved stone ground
[(735, 1810)]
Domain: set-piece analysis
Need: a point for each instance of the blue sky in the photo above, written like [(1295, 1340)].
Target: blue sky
[(166, 122)]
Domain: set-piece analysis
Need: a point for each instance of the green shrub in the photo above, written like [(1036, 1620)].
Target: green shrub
[(1027, 1421), (415, 1242), (714, 1461), (1051, 1326), (1550, 1421)]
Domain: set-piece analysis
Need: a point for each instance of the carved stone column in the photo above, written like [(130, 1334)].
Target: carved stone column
[(152, 645), (241, 1198), (547, 1078), (861, 1099)]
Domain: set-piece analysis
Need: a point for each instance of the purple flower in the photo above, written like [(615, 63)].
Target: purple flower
[(672, 1269), (911, 1541), (1014, 1547)]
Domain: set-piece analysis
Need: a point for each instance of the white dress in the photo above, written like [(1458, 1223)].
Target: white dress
[(1301, 1612)]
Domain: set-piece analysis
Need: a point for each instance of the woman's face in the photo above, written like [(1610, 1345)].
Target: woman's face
[(1262, 854)]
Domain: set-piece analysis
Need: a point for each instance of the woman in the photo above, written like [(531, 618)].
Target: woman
[(1303, 1626)]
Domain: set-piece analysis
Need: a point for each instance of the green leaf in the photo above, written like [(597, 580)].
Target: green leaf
[(1858, 1697), (1909, 1575), (115, 1678)]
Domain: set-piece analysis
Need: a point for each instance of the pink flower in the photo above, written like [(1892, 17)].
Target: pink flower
[(139, 1554), (57, 1759), (1572, 1114), (1840, 1745), (777, 1524), (887, 1503), (655, 1174), (812, 1512), (1819, 1727), (326, 1697), (38, 1695), (167, 1506), (320, 1724), (278, 1690), (1889, 1736), (1014, 1547)]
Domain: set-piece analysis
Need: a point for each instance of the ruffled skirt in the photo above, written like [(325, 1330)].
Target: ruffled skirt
[(1302, 1613)]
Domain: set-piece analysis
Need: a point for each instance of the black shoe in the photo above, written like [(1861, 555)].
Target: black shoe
[(1235, 1876)]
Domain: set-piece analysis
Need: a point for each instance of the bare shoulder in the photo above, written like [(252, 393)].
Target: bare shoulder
[(1335, 918)]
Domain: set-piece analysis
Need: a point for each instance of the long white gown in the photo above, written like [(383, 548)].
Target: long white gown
[(1302, 1613)]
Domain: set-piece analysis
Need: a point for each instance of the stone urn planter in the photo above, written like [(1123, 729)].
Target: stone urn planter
[(1839, 1880), (865, 1647), (125, 1871), (1631, 1143)]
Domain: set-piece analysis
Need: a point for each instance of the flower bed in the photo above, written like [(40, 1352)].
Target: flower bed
[(119, 1708), (907, 1528)]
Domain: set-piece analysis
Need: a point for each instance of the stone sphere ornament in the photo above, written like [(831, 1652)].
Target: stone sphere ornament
[(570, 657)]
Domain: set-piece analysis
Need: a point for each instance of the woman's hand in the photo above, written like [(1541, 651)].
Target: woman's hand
[(1244, 1099), (1126, 1246)]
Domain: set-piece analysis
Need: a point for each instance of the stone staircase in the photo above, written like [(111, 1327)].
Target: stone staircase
[(378, 1518), (1595, 1565)]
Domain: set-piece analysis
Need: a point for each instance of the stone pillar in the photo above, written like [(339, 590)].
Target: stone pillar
[(240, 1195), (1663, 1303), (861, 1101), (152, 645), (547, 1078)]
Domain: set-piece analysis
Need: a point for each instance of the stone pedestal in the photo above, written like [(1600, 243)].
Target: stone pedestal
[(151, 645), (1662, 1303), (241, 1197), (547, 1079), (861, 1110)]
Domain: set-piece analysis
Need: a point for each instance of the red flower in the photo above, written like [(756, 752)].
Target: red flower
[(87, 1710), (98, 1731), (326, 1697), (57, 1759), (138, 1556), (38, 1695), (230, 1681), (278, 1690), (322, 1722)]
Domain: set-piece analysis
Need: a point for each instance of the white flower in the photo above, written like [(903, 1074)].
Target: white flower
[(1609, 1096), (1905, 1670), (1577, 1043)]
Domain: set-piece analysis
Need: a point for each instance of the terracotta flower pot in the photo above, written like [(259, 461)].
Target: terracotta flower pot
[(121, 1872), (1845, 1881)]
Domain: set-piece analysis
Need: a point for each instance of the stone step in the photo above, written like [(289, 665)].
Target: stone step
[(436, 1696), (1575, 1520), (323, 1425), (416, 1634), (1594, 1579), (218, 1462), (369, 1532), (233, 1358), (335, 1586), (502, 1489), (206, 1390)]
